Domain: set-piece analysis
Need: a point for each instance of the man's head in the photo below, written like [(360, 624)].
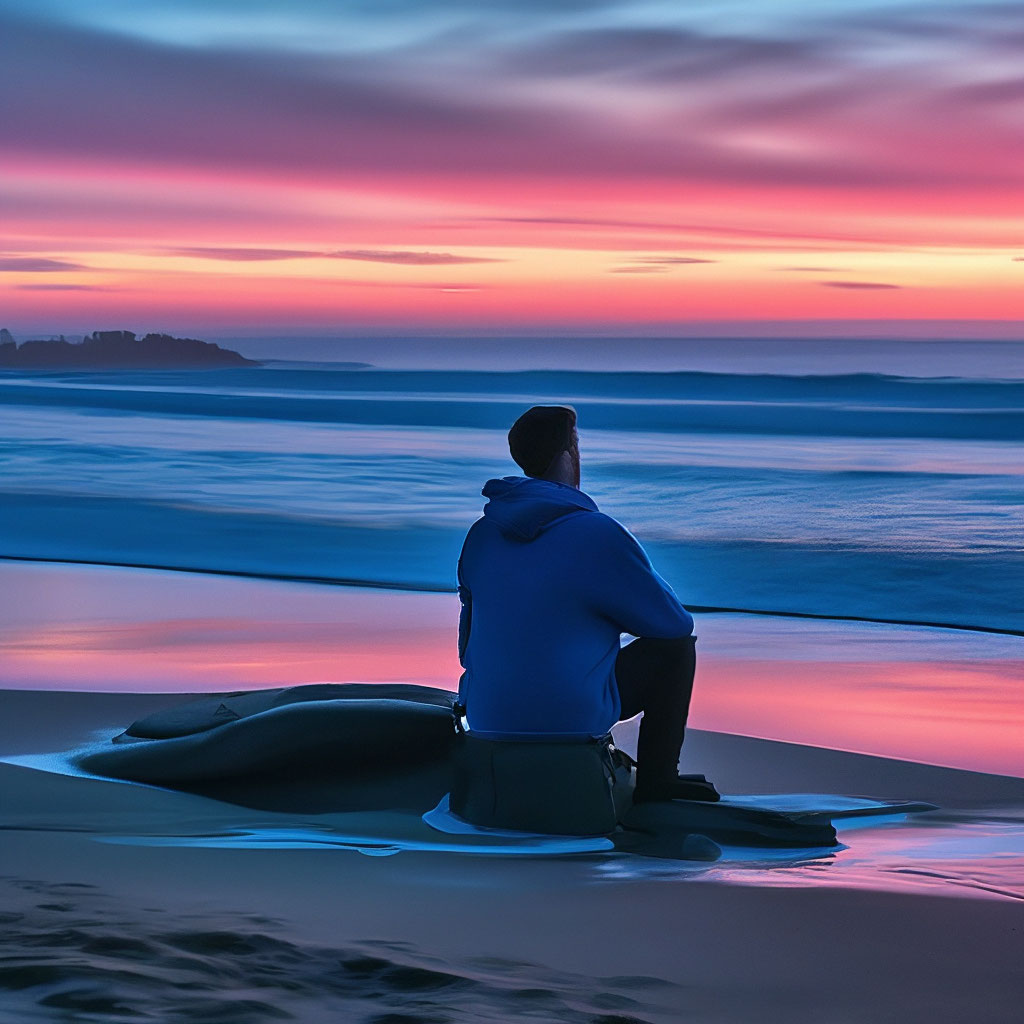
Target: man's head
[(544, 443)]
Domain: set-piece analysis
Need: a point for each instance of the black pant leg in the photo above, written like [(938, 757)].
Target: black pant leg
[(655, 677)]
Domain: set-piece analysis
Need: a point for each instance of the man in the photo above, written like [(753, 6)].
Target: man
[(548, 584)]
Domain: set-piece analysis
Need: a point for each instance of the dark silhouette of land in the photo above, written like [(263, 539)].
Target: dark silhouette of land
[(118, 350)]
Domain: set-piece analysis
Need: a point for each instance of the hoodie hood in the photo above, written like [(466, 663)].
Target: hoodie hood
[(522, 507)]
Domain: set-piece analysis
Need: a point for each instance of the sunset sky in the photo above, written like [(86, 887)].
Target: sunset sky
[(390, 165)]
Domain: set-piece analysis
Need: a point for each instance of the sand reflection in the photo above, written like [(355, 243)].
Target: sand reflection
[(930, 695)]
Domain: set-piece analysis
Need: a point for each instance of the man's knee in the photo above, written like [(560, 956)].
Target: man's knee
[(681, 642), (669, 655), (671, 647)]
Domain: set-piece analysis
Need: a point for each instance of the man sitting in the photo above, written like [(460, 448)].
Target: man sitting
[(548, 584)]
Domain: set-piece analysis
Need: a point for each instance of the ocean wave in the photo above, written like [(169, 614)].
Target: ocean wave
[(861, 494), (855, 405)]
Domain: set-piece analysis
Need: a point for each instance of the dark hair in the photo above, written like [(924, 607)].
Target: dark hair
[(540, 435)]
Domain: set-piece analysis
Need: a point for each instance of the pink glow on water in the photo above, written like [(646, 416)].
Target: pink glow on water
[(131, 630), (189, 655), (930, 695), (966, 714)]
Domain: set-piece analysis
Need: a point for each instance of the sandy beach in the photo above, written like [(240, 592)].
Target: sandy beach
[(921, 919)]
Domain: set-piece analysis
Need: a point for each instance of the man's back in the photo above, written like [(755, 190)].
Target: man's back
[(548, 584)]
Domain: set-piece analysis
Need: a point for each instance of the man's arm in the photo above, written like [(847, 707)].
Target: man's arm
[(628, 591), (465, 616)]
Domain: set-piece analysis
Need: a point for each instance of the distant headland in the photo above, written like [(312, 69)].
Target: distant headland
[(117, 350)]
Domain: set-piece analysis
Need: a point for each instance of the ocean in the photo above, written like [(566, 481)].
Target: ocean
[(860, 494)]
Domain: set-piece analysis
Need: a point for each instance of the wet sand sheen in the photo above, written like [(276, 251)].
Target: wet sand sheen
[(937, 696)]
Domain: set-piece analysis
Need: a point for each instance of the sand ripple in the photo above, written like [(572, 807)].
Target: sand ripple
[(68, 953)]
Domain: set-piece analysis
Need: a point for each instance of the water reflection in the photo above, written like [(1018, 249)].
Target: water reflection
[(980, 856), (936, 696)]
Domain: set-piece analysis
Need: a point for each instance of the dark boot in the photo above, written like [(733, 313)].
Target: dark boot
[(682, 787)]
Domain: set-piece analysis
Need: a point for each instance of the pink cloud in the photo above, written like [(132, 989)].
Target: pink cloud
[(409, 259), (403, 258), (638, 269), (65, 288), (670, 261), (330, 119), (867, 285), (242, 255), (657, 264), (35, 265)]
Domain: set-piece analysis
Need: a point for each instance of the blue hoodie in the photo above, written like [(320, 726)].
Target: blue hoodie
[(548, 583)]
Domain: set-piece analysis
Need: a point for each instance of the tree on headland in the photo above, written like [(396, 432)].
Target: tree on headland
[(117, 350)]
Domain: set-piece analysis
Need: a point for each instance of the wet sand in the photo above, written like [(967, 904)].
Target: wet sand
[(915, 920), (932, 695)]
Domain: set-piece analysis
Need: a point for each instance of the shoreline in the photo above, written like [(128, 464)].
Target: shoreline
[(429, 588)]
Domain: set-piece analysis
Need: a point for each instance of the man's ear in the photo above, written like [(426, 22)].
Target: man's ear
[(563, 470), (561, 464)]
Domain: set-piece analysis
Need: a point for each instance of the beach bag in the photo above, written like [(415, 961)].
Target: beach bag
[(559, 787)]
